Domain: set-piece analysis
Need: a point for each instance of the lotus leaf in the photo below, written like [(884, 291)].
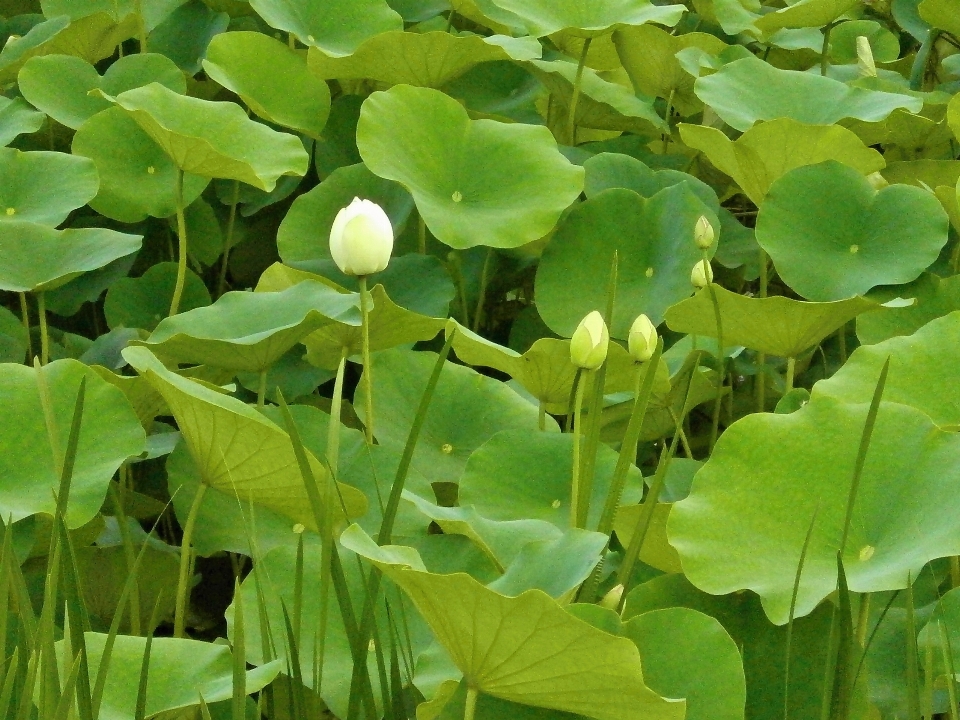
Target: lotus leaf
[(185, 34), (109, 434), (545, 17), (481, 183), (656, 551), (214, 139), (749, 90), (428, 59), (804, 14), (935, 297), (17, 118), (337, 27), (143, 302), (942, 632), (35, 42), (769, 150), (525, 649), (608, 170), (941, 14), (37, 258), (272, 80), (778, 326), (92, 36), (219, 432), (653, 238), (884, 45), (832, 236), (744, 523), (137, 178), (60, 85), (44, 187)]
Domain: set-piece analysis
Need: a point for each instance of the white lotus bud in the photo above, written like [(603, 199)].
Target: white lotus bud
[(865, 63), (588, 346), (877, 181), (702, 274), (361, 238), (642, 340), (611, 600), (703, 233)]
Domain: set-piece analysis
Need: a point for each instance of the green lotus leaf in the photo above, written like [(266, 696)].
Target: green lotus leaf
[(93, 37), (953, 116), (884, 45), (60, 85), (941, 175), (749, 90), (733, 16), (137, 178), (37, 258), (290, 375), (17, 118), (271, 79), (475, 182), (608, 170), (545, 17), (250, 331), (832, 236), (467, 410), (804, 14), (220, 430), (30, 464), (688, 654), (941, 14), (769, 150), (657, 552), (186, 33), (143, 302), (214, 139), (649, 54), (153, 11), (935, 297), (601, 104), (44, 187), (751, 505), (429, 59), (13, 338), (521, 474), (182, 673), (525, 649), (920, 367), (653, 238), (338, 27), (941, 634), (17, 51), (778, 326)]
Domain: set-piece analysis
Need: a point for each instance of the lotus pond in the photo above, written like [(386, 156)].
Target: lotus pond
[(480, 359)]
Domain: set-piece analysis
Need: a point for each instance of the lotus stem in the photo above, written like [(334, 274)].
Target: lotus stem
[(542, 416), (575, 470), (228, 242), (575, 95), (791, 369), (666, 117), (262, 389), (721, 358), (470, 707), (182, 255), (825, 50), (421, 235), (25, 314), (482, 298), (44, 332), (367, 365), (182, 603)]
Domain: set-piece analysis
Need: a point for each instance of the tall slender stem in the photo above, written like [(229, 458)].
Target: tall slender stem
[(542, 416), (791, 369), (182, 253), (482, 298), (421, 235), (141, 25), (825, 50), (762, 357), (181, 607), (25, 314), (262, 389), (44, 332), (470, 707), (575, 470), (367, 365), (228, 242), (666, 117), (575, 96), (721, 358)]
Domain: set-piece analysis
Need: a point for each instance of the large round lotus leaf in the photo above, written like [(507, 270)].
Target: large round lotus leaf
[(657, 552), (769, 150), (832, 236), (615, 170), (304, 234), (17, 118), (60, 85), (774, 325), (93, 37), (182, 672), (16, 51), (935, 297), (588, 19), (688, 654), (527, 648), (921, 365), (38, 258), (475, 182), (804, 14), (648, 55), (271, 79), (521, 474), (338, 27), (185, 34), (941, 175), (748, 90), (429, 59), (744, 523), (467, 410), (884, 45), (220, 431), (44, 187), (653, 238), (144, 301), (941, 14), (249, 331), (137, 178), (214, 139), (153, 11), (30, 464)]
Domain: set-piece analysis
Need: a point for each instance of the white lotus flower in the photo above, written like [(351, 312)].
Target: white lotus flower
[(588, 346), (361, 238), (642, 340)]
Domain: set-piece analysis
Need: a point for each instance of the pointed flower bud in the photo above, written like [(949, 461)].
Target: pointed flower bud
[(642, 340), (703, 233), (588, 346), (361, 238), (702, 274), (865, 63), (611, 600)]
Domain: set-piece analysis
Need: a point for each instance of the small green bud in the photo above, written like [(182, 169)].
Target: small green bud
[(867, 67), (703, 233), (702, 274), (611, 600), (642, 339), (588, 346)]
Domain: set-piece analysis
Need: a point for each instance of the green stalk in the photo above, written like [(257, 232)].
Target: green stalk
[(182, 252), (568, 419), (470, 706), (825, 50), (669, 133), (44, 332), (761, 357), (421, 235), (141, 25), (141, 709), (25, 315), (238, 706), (367, 365), (262, 389), (918, 72), (179, 619), (130, 557), (715, 426), (575, 96), (542, 416), (793, 610), (948, 664), (576, 468), (482, 298), (791, 370), (228, 243)]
